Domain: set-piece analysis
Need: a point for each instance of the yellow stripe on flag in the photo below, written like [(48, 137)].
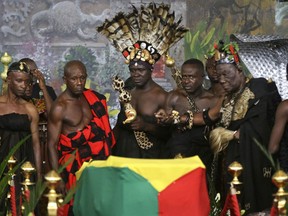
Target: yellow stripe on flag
[(159, 172)]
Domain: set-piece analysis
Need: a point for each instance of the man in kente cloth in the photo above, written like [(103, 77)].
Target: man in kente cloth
[(78, 121)]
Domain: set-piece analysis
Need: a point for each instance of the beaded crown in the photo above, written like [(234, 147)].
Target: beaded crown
[(144, 34), (226, 53)]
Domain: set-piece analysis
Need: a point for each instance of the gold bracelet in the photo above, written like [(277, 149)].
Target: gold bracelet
[(175, 116), (191, 118)]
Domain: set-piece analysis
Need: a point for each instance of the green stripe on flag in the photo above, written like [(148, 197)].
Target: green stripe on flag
[(110, 191)]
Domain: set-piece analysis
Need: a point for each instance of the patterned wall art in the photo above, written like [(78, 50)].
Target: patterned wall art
[(53, 32)]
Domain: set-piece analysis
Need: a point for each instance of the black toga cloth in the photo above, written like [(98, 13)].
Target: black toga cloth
[(126, 143), (13, 128), (190, 143), (257, 188)]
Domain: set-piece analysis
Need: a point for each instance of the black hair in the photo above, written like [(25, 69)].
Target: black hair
[(19, 66), (27, 60), (196, 62)]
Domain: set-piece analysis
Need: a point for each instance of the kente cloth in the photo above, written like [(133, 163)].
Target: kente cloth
[(13, 128), (36, 92), (190, 143), (94, 141), (142, 187), (127, 145), (257, 187)]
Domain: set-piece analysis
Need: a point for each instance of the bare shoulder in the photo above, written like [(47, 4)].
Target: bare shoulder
[(283, 108), (30, 106), (60, 102), (3, 102), (178, 91), (31, 110), (58, 106), (3, 98), (160, 91), (208, 94)]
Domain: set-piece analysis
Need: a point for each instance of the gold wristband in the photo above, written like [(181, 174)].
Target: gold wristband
[(191, 118), (175, 116)]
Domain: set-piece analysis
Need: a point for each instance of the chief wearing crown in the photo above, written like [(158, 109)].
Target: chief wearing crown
[(142, 37), (247, 119)]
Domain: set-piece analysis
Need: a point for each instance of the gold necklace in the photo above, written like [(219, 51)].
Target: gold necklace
[(194, 107)]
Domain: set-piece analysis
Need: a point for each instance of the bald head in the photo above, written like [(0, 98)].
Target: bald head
[(73, 65)]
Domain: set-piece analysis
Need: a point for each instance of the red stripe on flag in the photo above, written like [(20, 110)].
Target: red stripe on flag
[(187, 196)]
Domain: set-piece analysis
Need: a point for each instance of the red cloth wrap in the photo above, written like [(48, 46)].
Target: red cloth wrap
[(92, 142)]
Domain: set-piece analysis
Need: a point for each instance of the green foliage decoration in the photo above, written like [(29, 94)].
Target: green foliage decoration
[(5, 177), (36, 191), (198, 42)]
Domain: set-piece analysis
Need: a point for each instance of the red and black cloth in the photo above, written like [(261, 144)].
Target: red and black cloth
[(92, 142)]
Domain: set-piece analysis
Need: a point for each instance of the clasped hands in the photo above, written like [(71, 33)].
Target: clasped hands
[(167, 119)]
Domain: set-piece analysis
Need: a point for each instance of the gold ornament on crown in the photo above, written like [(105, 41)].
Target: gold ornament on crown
[(176, 73), (143, 34)]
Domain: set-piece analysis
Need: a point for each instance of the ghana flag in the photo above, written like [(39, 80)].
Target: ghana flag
[(142, 187)]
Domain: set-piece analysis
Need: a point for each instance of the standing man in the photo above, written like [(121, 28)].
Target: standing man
[(278, 141), (147, 98), (78, 121), (42, 97), (143, 38), (247, 115), (39, 90), (216, 87), (186, 142)]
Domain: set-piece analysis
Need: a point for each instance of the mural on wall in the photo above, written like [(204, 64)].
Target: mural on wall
[(55, 31), (217, 19)]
